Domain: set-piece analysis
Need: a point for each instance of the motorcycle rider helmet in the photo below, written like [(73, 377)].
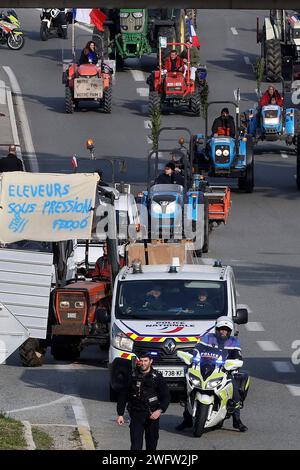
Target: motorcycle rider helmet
[(224, 322)]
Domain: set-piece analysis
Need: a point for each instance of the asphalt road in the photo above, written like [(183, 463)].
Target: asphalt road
[(261, 241)]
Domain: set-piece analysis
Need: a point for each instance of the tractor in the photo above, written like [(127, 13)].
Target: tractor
[(226, 156), (88, 82), (176, 88)]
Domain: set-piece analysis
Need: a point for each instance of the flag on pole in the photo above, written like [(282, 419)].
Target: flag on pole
[(192, 34), (91, 16), (74, 162), (293, 19)]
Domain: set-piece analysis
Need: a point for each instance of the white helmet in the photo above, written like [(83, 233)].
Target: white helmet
[(224, 321)]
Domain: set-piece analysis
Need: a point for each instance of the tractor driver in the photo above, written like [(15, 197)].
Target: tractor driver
[(224, 124), (269, 94), (173, 63), (170, 176)]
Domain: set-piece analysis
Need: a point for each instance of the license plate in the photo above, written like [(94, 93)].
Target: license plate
[(171, 371), (88, 88), (72, 315)]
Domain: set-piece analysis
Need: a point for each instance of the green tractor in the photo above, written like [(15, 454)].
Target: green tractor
[(134, 32)]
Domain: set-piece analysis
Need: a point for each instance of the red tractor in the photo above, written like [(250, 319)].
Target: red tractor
[(174, 88), (88, 82)]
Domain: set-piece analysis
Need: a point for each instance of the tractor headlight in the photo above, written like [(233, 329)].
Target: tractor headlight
[(124, 14), (226, 153), (137, 14), (213, 383), (218, 152), (64, 304), (171, 208), (120, 340), (155, 207)]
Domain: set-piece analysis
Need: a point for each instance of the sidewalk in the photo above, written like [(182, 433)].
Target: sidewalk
[(8, 131)]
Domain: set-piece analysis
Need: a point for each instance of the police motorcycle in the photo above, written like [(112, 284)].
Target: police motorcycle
[(54, 21), (10, 30), (210, 388)]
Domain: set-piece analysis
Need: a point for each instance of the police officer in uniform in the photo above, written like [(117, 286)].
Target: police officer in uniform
[(147, 396)]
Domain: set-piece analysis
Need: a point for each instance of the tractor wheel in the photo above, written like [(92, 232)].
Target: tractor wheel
[(273, 68), (69, 103), (65, 348), (298, 161), (154, 102), (44, 31), (32, 353), (119, 62), (107, 99), (205, 247), (246, 183), (297, 124), (195, 103), (170, 34)]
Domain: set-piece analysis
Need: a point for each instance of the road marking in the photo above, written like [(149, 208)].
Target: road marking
[(143, 92), (254, 326), (268, 346), (28, 143), (147, 124), (43, 405), (28, 435), (2, 92), (294, 390), (284, 155), (138, 75), (234, 31), (247, 60), (283, 367), (13, 123)]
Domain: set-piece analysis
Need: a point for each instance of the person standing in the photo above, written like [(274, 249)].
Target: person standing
[(147, 396), (11, 162)]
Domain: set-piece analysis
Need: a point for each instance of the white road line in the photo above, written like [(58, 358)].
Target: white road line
[(284, 367), (138, 75), (143, 91), (234, 31), (29, 147), (247, 60), (284, 155), (43, 405), (147, 124), (268, 346), (2, 92), (294, 390), (254, 326)]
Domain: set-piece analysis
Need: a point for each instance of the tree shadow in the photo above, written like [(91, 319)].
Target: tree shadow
[(231, 62)]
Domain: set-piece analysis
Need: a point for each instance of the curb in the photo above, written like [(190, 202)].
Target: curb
[(28, 435), (86, 438)]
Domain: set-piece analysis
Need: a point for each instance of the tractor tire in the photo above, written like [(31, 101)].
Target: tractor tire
[(65, 348), (205, 247), (297, 124), (195, 103), (154, 102), (273, 64), (298, 162), (107, 99), (246, 183), (170, 34), (200, 419), (44, 32), (69, 103), (32, 353)]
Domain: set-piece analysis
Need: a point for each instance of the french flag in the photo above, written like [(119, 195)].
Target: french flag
[(192, 34), (293, 19), (91, 16), (74, 163)]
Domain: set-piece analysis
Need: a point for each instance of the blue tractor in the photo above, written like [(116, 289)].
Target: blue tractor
[(224, 155), (178, 210)]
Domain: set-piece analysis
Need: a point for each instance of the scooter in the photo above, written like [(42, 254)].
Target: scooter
[(210, 388), (10, 30)]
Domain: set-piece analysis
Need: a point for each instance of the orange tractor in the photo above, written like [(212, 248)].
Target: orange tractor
[(88, 82), (175, 88)]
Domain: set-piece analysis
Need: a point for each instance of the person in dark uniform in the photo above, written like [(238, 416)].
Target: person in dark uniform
[(11, 162), (147, 396), (170, 176)]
